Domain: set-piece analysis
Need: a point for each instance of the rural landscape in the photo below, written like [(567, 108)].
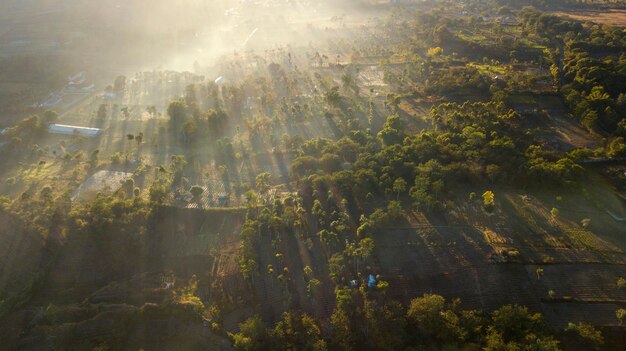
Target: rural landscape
[(313, 175)]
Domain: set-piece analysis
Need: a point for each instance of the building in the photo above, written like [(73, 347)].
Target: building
[(76, 79), (72, 130)]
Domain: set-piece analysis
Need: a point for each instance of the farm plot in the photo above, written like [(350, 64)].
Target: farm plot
[(580, 282), (560, 314), (101, 181), (449, 260), (214, 194), (613, 17)]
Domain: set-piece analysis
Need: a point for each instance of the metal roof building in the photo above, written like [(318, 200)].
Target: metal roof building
[(71, 130)]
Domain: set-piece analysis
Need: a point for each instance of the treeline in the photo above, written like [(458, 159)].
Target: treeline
[(365, 319), (471, 142), (591, 70)]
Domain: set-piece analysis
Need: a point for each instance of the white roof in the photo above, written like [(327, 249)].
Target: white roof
[(70, 130)]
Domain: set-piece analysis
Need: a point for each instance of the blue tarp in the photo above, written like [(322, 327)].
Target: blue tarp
[(371, 282)]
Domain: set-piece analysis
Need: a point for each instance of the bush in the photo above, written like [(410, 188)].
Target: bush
[(196, 191)]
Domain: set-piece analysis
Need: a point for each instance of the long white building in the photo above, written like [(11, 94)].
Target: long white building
[(71, 130)]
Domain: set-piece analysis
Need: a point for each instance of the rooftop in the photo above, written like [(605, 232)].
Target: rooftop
[(70, 130)]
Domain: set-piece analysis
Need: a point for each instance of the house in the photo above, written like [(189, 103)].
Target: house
[(76, 79), (220, 80), (507, 21), (72, 130)]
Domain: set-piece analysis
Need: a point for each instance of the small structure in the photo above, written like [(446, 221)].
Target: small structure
[(371, 281), (73, 130), (76, 79), (220, 80)]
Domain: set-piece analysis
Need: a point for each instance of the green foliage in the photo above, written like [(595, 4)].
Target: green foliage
[(621, 316), (554, 213), (196, 191), (392, 131), (177, 111), (297, 332), (434, 52), (585, 336), (489, 200), (617, 148), (433, 322), (253, 335)]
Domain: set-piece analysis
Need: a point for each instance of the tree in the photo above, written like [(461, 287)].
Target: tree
[(584, 336), (621, 283), (102, 112), (190, 131), (434, 52), (399, 186), (431, 322), (253, 335), (621, 316), (392, 131), (177, 111), (617, 148), (50, 117), (332, 96), (539, 272), (262, 182), (196, 191), (514, 323), (554, 213), (489, 200), (119, 84), (297, 331), (125, 111)]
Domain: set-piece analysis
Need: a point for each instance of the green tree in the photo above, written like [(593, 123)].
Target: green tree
[(621, 316), (431, 322), (50, 117), (434, 52), (617, 148), (297, 331), (514, 323), (399, 186), (262, 182), (554, 213), (177, 111), (489, 200), (196, 191), (102, 112), (584, 336), (253, 335)]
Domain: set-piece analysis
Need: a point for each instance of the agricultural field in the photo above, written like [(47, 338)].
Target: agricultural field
[(612, 17)]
